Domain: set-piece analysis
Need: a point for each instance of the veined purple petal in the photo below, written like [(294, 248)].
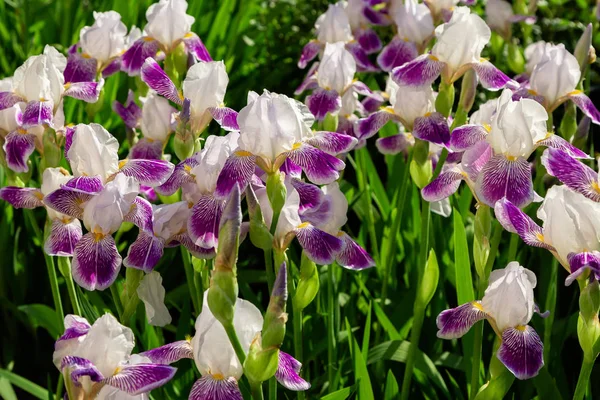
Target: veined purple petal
[(579, 263), (140, 214), (37, 113), (475, 158), (8, 99), (141, 378), (393, 144), (364, 90), (320, 168), (368, 127), (421, 71), (18, 147), (290, 169), (238, 170), (443, 186), (133, 59), (80, 68), (19, 197), (226, 117), (376, 17), (129, 112), (112, 68), (80, 367), (322, 102), (585, 104), (455, 322), (170, 353), (557, 142), (96, 261), (210, 388), (432, 128), (309, 52), (372, 104), (466, 136), (145, 252), (86, 91), (147, 149), (288, 373), (195, 46), (491, 77), (397, 53), (501, 177), (67, 201), (159, 81), (203, 223), (310, 81), (516, 221), (320, 247), (310, 195), (521, 351), (181, 174), (363, 64), (196, 251), (352, 256), (63, 238), (69, 132), (573, 173), (368, 40), (84, 184), (147, 172), (75, 327), (332, 142), (149, 193)]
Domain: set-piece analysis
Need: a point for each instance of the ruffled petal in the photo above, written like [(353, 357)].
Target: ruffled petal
[(432, 128), (159, 81), (145, 252), (516, 221), (421, 71), (455, 322), (19, 197), (17, 148), (574, 174), (209, 388), (63, 238), (96, 261), (203, 222), (170, 353), (352, 256), (141, 378), (226, 117), (288, 373), (521, 351), (397, 53), (320, 168), (320, 247), (466, 136), (322, 102), (147, 172), (133, 59), (501, 177), (332, 142)]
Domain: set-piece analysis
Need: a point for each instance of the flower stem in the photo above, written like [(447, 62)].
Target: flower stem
[(189, 275), (330, 328), (476, 350), (272, 388), (235, 342), (584, 378), (257, 392), (298, 345), (116, 299), (269, 268), (64, 266)]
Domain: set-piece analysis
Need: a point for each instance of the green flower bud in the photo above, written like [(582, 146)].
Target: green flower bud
[(468, 90), (421, 169), (308, 284), (445, 99), (52, 151), (481, 240), (259, 232), (568, 124), (588, 325), (222, 295), (515, 59), (429, 283), (583, 49), (276, 193), (261, 364), (183, 145), (273, 331), (330, 123)]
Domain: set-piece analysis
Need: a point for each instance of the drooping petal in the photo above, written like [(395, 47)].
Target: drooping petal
[(521, 351), (455, 322), (96, 261), (368, 40), (134, 58), (37, 113), (586, 105), (320, 247), (68, 202), (69, 132), (147, 149), (141, 378), (421, 71), (238, 170), (170, 353), (196, 251), (209, 388), (152, 293), (352, 256), (63, 238), (145, 252), (332, 142), (574, 174), (226, 117), (80, 367), (310, 81), (557, 142), (290, 169), (80, 68), (363, 63), (147, 172), (159, 81), (579, 263), (432, 128), (288, 373), (203, 223), (492, 78), (309, 52), (322, 102), (75, 327), (112, 68), (501, 177), (310, 195), (8, 99), (368, 127), (195, 46), (397, 53), (140, 214), (475, 158), (464, 137), (129, 112), (84, 184), (18, 147), (372, 104), (393, 144), (516, 221), (181, 174), (22, 197), (443, 186), (320, 168), (86, 91)]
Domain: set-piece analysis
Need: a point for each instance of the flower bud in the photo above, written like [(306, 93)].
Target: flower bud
[(429, 283), (259, 232), (261, 364), (276, 193), (584, 48), (222, 295), (468, 90), (481, 240), (588, 326), (52, 151), (330, 123), (421, 169), (445, 99), (183, 145), (568, 124), (308, 285)]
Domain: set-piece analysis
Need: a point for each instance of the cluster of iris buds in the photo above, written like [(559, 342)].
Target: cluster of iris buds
[(283, 159)]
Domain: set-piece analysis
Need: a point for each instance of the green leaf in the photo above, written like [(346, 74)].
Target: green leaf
[(386, 323), (545, 385), (367, 334), (365, 390), (44, 316), (341, 394), (6, 390), (392, 391), (462, 264), (25, 384)]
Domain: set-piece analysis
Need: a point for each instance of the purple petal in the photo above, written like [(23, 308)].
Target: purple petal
[(18, 147), (80, 68), (140, 214), (8, 99), (579, 263), (84, 184), (238, 170), (80, 367), (320, 168), (141, 378), (397, 53), (19, 197), (69, 132), (37, 113), (455, 322), (203, 223), (196, 251), (75, 327), (363, 63), (364, 90), (209, 388), (86, 91), (288, 373), (147, 172), (516, 221), (421, 71), (322, 102), (136, 55), (67, 201), (159, 81), (112, 68), (521, 351), (443, 186), (393, 144), (195, 46), (557, 142), (501, 177), (145, 252), (96, 261), (147, 149), (63, 238), (226, 117), (181, 174), (290, 169), (309, 52), (372, 104), (148, 193), (352, 256), (573, 173), (492, 78), (585, 104), (310, 195), (376, 17), (129, 112), (368, 127), (432, 128), (466, 136), (170, 353), (310, 81), (332, 142), (320, 247), (368, 40), (475, 158)]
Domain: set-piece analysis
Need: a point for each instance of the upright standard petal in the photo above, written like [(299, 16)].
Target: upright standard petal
[(134, 58), (288, 373), (501, 177), (573, 173), (170, 353), (491, 77), (141, 378), (586, 105), (37, 113), (211, 388), (203, 223), (96, 261), (516, 221), (19, 197), (322, 102), (63, 237), (159, 81), (352, 256), (17, 148), (455, 322), (397, 53), (432, 128), (421, 71), (145, 252), (147, 172), (319, 167), (320, 247), (521, 351), (368, 127)]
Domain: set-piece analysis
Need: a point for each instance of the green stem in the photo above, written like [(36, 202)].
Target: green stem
[(235, 342), (257, 392), (64, 266), (116, 299), (269, 268), (273, 388), (512, 248), (365, 188), (477, 349), (298, 344), (330, 329), (584, 378), (550, 306), (189, 275)]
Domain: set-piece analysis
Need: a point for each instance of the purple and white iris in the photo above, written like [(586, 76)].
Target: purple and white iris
[(508, 306)]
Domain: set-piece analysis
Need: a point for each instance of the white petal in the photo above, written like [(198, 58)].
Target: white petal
[(337, 67), (411, 102), (105, 39), (414, 21), (94, 151), (211, 160), (168, 21), (556, 74), (157, 117), (334, 26), (152, 293)]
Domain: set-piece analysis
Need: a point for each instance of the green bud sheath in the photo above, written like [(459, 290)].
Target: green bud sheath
[(259, 232), (330, 123), (308, 285), (277, 192), (183, 145)]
